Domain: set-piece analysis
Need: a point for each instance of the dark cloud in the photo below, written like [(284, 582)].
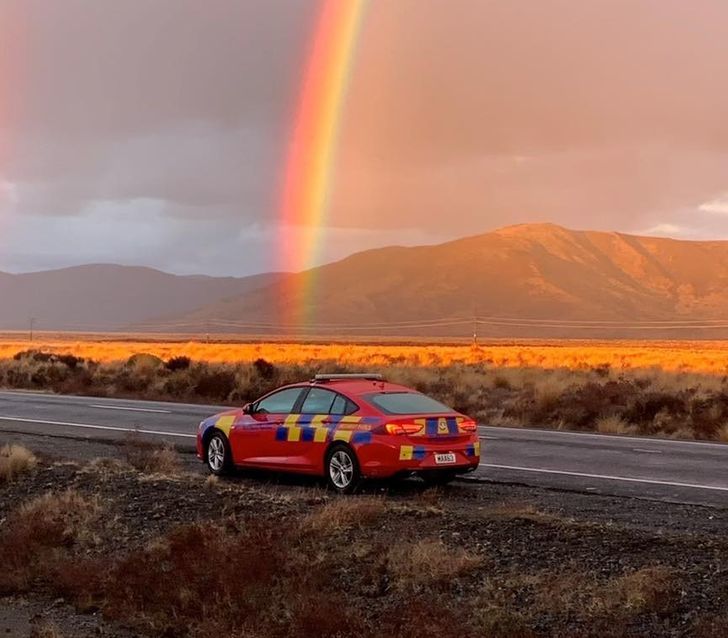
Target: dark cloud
[(154, 131), (179, 100)]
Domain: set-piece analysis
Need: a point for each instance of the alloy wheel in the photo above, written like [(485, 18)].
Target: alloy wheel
[(341, 469), (216, 454)]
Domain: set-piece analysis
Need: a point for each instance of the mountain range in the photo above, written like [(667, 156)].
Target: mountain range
[(532, 280)]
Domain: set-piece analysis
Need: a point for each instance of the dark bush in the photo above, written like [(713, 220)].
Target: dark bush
[(178, 363), (215, 384), (34, 355), (264, 369), (646, 406), (69, 360)]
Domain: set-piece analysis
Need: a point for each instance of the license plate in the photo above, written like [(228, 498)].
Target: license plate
[(444, 459)]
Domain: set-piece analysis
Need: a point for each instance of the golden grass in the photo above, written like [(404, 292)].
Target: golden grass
[(427, 562), (71, 514), (15, 460), (676, 356), (345, 513), (613, 425)]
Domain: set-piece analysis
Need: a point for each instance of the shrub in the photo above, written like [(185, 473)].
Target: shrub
[(34, 533), (343, 513), (215, 384), (264, 369), (69, 360), (613, 425), (15, 460), (151, 458), (427, 562), (144, 361), (178, 363), (651, 589)]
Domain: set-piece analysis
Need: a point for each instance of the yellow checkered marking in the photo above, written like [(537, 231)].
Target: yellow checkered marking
[(476, 445), (344, 429), (406, 452), (225, 423)]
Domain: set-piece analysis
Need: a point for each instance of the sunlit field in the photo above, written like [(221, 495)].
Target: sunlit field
[(673, 356), (673, 389)]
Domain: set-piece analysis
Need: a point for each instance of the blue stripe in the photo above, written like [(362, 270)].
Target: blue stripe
[(470, 450), (307, 434), (431, 427), (282, 433), (360, 438), (452, 425), (419, 452)]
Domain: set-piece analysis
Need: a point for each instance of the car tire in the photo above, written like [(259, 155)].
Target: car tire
[(217, 454), (342, 469), (438, 478)]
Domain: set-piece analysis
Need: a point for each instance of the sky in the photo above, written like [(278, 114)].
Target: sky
[(154, 132)]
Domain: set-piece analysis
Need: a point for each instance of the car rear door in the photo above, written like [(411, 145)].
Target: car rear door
[(301, 438)]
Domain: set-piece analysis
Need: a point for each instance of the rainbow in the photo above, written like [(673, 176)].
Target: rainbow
[(311, 152)]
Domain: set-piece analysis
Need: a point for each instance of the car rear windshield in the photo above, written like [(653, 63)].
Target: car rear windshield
[(406, 403)]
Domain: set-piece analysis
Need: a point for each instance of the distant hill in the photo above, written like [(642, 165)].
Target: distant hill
[(537, 280), (533, 277), (107, 297)]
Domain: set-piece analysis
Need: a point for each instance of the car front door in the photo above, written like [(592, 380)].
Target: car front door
[(254, 441)]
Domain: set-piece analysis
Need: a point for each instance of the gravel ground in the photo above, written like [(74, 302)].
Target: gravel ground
[(518, 530)]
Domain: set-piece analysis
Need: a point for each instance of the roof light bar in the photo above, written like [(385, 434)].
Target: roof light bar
[(346, 377)]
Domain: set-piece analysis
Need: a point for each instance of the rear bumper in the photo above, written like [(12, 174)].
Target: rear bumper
[(390, 457)]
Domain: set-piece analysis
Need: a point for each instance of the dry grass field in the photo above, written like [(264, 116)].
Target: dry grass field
[(709, 357), (672, 389)]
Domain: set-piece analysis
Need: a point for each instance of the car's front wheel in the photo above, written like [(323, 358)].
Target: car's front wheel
[(219, 459), (342, 469)]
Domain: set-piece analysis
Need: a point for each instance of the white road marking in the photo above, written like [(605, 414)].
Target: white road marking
[(607, 477), (118, 407), (645, 450), (96, 427), (607, 437)]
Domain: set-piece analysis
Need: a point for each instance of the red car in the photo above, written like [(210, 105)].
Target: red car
[(346, 428)]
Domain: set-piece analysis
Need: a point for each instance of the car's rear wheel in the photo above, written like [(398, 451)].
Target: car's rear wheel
[(438, 478), (219, 458), (342, 469)]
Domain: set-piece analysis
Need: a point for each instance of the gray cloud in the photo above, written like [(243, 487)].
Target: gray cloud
[(154, 131)]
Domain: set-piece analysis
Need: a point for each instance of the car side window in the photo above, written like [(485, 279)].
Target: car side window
[(318, 401), (279, 403), (342, 406)]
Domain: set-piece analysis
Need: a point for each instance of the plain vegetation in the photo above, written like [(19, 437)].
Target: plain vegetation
[(604, 398)]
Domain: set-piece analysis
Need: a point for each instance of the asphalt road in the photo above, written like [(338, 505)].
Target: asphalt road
[(680, 471)]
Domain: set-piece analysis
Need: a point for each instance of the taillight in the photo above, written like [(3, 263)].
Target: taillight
[(403, 429), (469, 426)]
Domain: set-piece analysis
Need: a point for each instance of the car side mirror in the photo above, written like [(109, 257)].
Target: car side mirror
[(248, 408)]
